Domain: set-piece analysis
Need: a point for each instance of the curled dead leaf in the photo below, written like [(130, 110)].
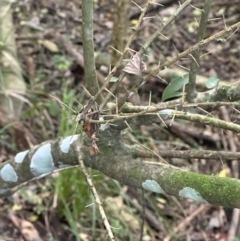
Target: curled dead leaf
[(91, 130), (135, 66)]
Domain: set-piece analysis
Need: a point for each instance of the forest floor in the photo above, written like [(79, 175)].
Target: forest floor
[(58, 207)]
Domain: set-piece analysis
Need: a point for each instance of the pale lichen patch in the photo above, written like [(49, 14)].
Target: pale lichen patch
[(4, 191), (42, 161), (20, 156), (105, 126), (66, 143), (190, 193), (8, 174), (153, 186)]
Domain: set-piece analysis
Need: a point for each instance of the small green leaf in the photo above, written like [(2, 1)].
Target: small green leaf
[(114, 79), (172, 90), (212, 82)]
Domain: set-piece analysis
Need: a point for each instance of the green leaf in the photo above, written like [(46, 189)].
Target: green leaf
[(114, 79), (172, 90), (212, 82)]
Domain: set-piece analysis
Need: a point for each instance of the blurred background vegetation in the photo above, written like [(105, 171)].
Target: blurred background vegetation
[(61, 206)]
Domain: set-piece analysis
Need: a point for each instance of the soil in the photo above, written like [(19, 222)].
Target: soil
[(21, 218)]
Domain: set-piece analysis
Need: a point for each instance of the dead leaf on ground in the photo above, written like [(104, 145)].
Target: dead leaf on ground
[(50, 45), (118, 210), (27, 229)]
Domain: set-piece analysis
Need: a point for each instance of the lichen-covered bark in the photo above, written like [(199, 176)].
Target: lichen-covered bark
[(116, 161), (217, 96), (225, 93)]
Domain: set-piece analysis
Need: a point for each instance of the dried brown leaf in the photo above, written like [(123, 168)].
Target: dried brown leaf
[(91, 129), (50, 45), (27, 229), (94, 149), (135, 66)]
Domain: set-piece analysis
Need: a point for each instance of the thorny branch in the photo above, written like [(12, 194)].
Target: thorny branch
[(126, 49), (188, 154), (118, 163), (215, 36), (141, 52)]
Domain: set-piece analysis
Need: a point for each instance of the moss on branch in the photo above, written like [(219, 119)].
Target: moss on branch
[(116, 161)]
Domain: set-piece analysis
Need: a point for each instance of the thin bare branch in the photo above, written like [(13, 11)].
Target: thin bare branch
[(192, 49), (97, 199)]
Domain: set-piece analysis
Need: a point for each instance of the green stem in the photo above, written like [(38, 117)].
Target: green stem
[(91, 82), (191, 90)]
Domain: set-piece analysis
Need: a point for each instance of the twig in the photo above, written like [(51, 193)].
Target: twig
[(143, 216), (207, 120), (168, 111), (118, 64), (235, 167), (188, 154), (126, 49), (166, 24), (187, 220), (179, 114), (191, 89), (234, 225), (191, 49), (129, 108), (97, 200), (141, 51)]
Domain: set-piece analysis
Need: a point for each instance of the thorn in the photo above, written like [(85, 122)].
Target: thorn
[(206, 112), (157, 4), (175, 48), (132, 50), (128, 126), (205, 54), (148, 17), (196, 8), (160, 19), (196, 22), (161, 119), (115, 99), (194, 59), (183, 94), (116, 50), (155, 153), (137, 6), (88, 93), (224, 21), (164, 36), (63, 104), (150, 98)]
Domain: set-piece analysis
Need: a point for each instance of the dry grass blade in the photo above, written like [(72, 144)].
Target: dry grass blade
[(63, 104)]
